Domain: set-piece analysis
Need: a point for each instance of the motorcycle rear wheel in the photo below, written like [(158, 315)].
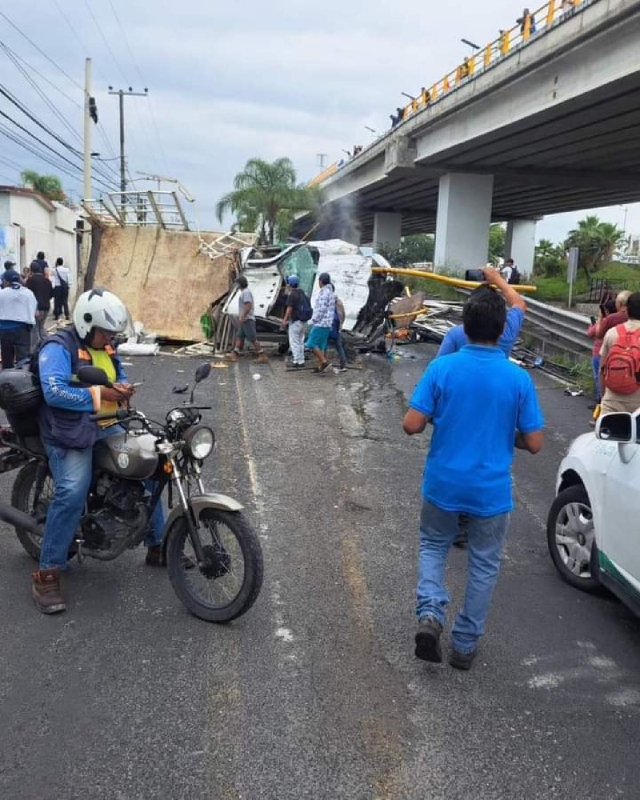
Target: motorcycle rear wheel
[(22, 498), (217, 592)]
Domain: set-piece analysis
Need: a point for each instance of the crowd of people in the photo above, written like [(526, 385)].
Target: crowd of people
[(309, 328), (25, 305), (615, 355)]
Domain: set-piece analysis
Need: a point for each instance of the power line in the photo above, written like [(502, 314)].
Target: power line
[(100, 128), (42, 95), (42, 53), (27, 145), (142, 78), (42, 126), (40, 75)]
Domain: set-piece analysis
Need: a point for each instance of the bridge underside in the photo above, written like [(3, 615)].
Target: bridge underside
[(580, 154)]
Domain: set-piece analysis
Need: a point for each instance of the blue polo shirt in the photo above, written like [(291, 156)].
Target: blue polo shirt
[(457, 338), (478, 400)]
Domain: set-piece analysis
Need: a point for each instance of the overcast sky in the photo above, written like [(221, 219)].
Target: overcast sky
[(228, 82)]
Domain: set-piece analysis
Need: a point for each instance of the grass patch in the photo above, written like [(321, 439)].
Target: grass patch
[(557, 289)]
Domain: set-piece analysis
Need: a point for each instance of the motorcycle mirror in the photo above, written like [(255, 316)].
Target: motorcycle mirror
[(93, 376), (203, 372), (180, 389)]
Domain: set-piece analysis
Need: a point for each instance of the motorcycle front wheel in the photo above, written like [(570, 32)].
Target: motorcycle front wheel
[(227, 584)]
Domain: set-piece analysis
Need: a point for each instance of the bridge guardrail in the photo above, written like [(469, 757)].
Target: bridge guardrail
[(564, 329), (509, 41)]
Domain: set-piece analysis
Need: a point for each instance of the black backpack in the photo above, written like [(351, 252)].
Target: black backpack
[(515, 276), (304, 312)]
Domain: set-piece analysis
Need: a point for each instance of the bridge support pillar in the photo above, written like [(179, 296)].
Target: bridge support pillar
[(521, 243), (463, 221), (386, 230)]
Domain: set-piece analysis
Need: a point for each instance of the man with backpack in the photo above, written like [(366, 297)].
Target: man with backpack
[(61, 279), (620, 362), (298, 312)]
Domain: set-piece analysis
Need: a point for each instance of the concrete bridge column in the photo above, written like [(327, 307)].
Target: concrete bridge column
[(463, 221), (386, 230), (521, 243)]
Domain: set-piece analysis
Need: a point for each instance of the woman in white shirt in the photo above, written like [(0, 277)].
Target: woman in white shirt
[(61, 279)]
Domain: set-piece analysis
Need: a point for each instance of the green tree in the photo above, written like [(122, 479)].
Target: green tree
[(265, 198), (413, 249), (48, 185), (497, 242), (597, 241), (549, 259)]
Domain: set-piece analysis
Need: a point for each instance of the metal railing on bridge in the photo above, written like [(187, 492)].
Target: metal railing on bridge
[(144, 209), (528, 27)]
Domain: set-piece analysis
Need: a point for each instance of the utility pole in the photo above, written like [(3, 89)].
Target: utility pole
[(122, 93)]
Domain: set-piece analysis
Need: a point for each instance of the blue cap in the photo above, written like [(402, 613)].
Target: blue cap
[(293, 280), (324, 278), (10, 276)]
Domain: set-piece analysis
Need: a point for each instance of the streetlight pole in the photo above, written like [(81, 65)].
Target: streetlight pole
[(122, 93)]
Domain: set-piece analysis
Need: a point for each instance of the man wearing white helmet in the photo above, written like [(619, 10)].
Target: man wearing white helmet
[(68, 432)]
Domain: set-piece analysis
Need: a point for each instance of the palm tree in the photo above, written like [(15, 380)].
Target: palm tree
[(265, 195), (612, 237), (586, 237), (47, 185), (597, 242)]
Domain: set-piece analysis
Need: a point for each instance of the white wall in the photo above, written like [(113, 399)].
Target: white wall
[(52, 231)]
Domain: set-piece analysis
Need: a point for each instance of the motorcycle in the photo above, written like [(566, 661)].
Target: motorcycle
[(213, 556)]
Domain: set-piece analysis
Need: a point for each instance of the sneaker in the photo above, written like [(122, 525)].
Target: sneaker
[(46, 591), (341, 368), (154, 557), (460, 660), (428, 640)]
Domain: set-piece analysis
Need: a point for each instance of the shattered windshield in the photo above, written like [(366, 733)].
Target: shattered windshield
[(300, 263)]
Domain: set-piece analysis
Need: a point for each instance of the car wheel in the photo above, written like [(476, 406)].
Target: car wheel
[(571, 538)]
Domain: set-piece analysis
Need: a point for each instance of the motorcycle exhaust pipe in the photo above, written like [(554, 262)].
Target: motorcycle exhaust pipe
[(19, 519)]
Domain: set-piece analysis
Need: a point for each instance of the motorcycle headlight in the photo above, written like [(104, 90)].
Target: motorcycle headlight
[(200, 441)]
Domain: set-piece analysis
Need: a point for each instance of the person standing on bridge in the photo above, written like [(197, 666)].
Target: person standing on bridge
[(481, 406), (456, 338)]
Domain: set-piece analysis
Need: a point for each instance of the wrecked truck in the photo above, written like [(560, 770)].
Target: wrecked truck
[(267, 269)]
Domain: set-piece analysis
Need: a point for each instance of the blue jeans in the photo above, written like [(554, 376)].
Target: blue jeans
[(72, 472), (336, 340), (595, 363), (438, 529)]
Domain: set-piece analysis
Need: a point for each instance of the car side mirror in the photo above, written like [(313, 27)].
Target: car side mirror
[(93, 376), (203, 372), (618, 427)]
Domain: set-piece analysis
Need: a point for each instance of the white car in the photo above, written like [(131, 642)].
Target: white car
[(593, 529)]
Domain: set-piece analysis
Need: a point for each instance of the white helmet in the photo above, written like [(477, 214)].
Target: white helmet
[(99, 308)]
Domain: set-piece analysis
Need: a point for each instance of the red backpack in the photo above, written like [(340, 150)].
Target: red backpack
[(622, 364)]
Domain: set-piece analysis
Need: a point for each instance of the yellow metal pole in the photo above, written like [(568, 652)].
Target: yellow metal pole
[(488, 50), (459, 282), (526, 33), (551, 12)]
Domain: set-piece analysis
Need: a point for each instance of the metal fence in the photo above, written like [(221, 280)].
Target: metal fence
[(563, 330)]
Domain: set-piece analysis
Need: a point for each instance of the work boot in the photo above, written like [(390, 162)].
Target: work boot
[(154, 557), (461, 660), (46, 591), (428, 640)]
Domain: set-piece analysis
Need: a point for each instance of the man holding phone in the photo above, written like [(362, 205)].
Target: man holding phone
[(481, 406)]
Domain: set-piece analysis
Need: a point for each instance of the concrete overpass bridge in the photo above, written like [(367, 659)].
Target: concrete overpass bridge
[(547, 125)]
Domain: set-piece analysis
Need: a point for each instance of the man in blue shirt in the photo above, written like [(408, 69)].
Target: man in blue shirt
[(481, 406), (456, 338)]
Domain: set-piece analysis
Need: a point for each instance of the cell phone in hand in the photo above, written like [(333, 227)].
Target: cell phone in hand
[(593, 319), (474, 275)]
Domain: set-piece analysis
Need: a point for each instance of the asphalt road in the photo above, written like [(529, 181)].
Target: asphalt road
[(316, 692)]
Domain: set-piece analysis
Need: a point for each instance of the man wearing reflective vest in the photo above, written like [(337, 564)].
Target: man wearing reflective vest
[(69, 434)]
